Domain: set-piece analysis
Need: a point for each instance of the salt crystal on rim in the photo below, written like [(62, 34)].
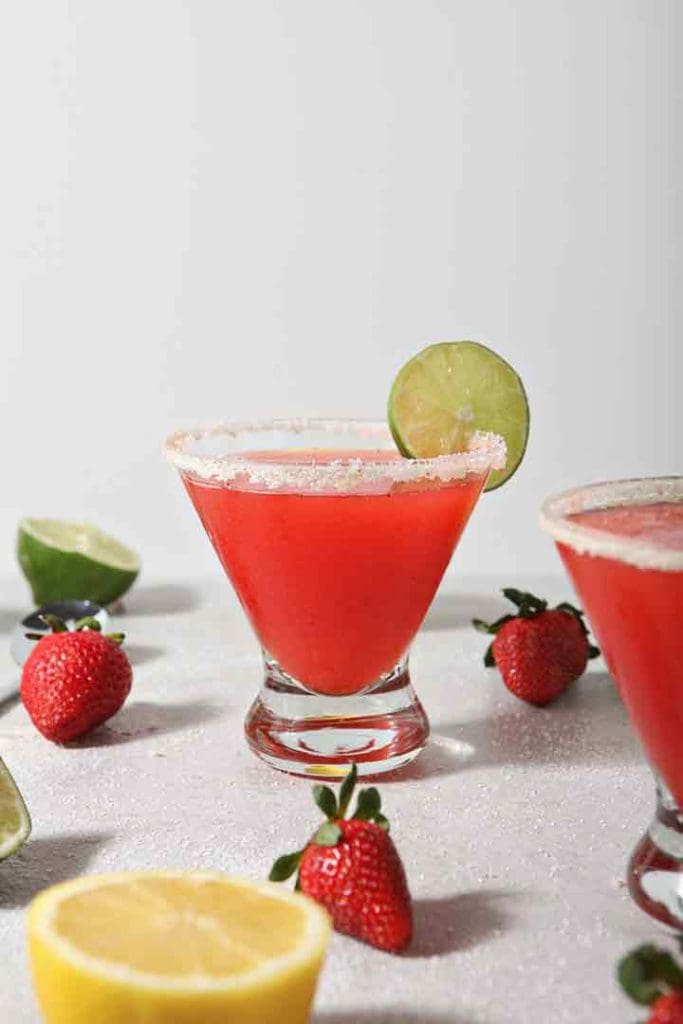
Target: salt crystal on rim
[(645, 554), (485, 452)]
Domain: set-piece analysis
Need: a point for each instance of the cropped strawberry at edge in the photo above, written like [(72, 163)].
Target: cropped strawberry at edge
[(650, 976)]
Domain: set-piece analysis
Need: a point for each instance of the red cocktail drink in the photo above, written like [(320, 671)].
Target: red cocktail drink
[(636, 613), (336, 585), (336, 554), (623, 546)]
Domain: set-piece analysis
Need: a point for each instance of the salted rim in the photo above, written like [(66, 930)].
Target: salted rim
[(609, 494), (485, 452)]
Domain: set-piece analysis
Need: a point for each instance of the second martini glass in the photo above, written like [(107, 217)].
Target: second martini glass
[(622, 543), (335, 545)]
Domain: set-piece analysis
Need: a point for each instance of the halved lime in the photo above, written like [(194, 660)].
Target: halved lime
[(452, 389), (15, 824), (74, 561)]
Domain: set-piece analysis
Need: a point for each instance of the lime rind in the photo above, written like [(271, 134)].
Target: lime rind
[(450, 390), (65, 560), (15, 821)]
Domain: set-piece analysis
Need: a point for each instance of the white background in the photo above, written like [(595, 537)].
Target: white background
[(219, 209)]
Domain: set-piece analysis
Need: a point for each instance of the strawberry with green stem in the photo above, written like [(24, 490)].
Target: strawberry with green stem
[(539, 651), (74, 680), (353, 869), (651, 977)]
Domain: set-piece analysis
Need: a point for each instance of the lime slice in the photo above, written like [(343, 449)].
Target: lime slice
[(452, 389), (15, 824), (74, 561)]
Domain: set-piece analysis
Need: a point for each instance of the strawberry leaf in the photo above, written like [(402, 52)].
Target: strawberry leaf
[(489, 657), (648, 973), (346, 790), (326, 800), (56, 624), (382, 822), (285, 866), (89, 622), (514, 595), (565, 606), (493, 627), (528, 604), (328, 834), (571, 608), (369, 804)]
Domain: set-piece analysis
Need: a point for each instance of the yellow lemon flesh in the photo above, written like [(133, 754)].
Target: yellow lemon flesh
[(175, 948)]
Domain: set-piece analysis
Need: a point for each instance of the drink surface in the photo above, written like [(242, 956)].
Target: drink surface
[(635, 613), (323, 456), (337, 583), (660, 523)]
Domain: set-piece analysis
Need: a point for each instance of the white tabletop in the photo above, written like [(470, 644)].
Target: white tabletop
[(514, 825)]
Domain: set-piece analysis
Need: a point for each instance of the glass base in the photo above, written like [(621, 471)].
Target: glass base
[(305, 733), (655, 871)]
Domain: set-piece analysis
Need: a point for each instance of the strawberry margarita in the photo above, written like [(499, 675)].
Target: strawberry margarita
[(336, 585), (335, 545), (623, 546)]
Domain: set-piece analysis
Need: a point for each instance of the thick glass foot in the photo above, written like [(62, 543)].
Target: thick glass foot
[(655, 871), (307, 733)]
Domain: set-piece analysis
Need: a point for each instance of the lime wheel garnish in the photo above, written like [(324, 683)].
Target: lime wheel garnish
[(452, 390)]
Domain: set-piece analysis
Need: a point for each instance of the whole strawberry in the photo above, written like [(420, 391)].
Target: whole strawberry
[(667, 1009), (74, 681), (539, 651), (353, 869), (651, 977)]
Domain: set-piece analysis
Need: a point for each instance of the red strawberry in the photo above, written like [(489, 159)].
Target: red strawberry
[(667, 1009), (539, 651), (353, 869), (74, 681), (651, 977)]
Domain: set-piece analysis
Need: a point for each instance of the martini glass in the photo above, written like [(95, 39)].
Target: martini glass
[(622, 544), (335, 545)]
